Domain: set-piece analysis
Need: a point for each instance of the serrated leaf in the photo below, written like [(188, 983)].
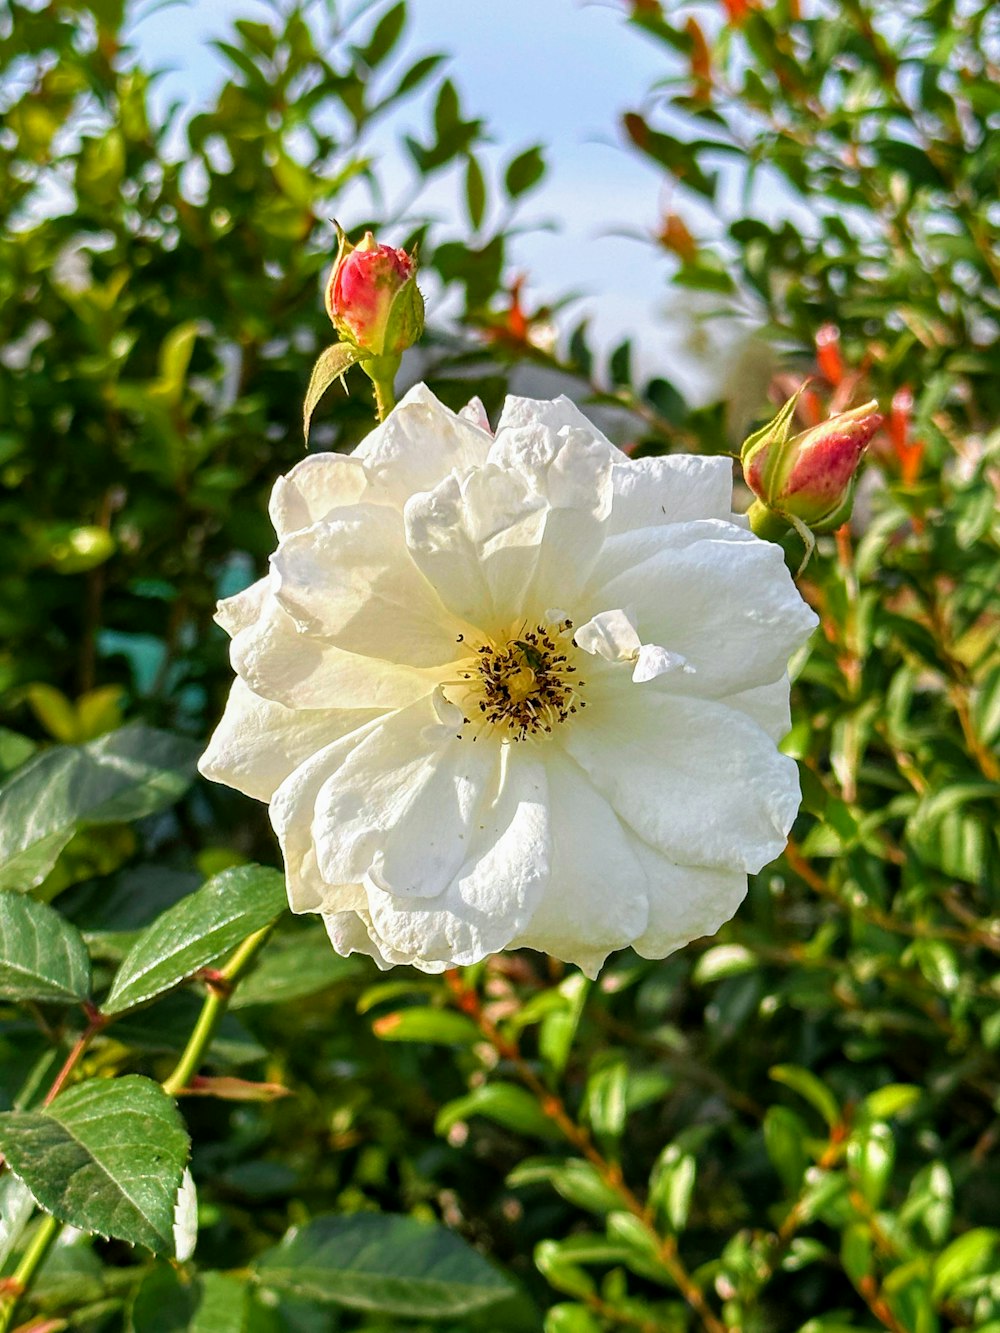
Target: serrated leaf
[(196, 932), (107, 1156), (42, 957), (119, 777), (394, 1265), (332, 363)]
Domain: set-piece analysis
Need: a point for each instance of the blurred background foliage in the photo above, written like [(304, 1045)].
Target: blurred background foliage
[(789, 1129)]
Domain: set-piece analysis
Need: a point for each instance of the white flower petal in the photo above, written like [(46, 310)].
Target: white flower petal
[(729, 607), (495, 892), (679, 488), (350, 579), (280, 662), (611, 635), (405, 805), (475, 412), (552, 413), (697, 780), (418, 444), (596, 898), (349, 934), (476, 539), (624, 552), (685, 902), (292, 810), (318, 484), (185, 1231), (768, 705), (244, 609), (571, 469), (259, 742)]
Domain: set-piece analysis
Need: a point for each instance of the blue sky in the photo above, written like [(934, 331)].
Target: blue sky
[(558, 72)]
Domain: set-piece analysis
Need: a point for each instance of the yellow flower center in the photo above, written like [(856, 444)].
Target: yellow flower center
[(522, 686)]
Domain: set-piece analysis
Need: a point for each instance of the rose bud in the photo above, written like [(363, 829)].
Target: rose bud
[(806, 479), (372, 297)]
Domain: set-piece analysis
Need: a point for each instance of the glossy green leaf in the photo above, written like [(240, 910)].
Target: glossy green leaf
[(106, 1156), (392, 1265), (423, 1023), (121, 776), (42, 956), (197, 931), (504, 1103)]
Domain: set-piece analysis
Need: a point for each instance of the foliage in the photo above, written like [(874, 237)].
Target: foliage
[(790, 1127)]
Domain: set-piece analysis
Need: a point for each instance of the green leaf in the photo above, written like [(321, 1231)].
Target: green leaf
[(119, 777), (332, 363), (107, 1156), (387, 33), (475, 192), (784, 1138), (672, 1185), (577, 1181), (808, 1086), (871, 1154), (427, 1024), (892, 1100), (42, 957), (524, 172), (292, 967), (966, 1257), (724, 960), (394, 1265), (196, 932), (16, 1207), (505, 1104), (168, 1301)]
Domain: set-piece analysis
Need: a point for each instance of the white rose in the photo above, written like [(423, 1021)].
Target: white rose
[(513, 691)]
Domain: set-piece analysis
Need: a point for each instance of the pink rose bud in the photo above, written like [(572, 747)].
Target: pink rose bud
[(807, 478), (372, 297)]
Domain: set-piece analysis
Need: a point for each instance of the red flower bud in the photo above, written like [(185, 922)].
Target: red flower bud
[(372, 297), (807, 478)]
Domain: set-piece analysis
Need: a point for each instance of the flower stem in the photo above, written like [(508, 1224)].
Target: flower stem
[(14, 1287), (766, 523), (385, 398), (220, 988)]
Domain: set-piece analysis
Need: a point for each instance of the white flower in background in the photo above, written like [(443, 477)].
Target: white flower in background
[(513, 691)]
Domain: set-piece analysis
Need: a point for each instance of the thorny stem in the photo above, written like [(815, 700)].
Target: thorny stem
[(554, 1107)]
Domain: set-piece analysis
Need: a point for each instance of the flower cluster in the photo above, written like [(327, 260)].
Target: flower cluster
[(513, 690)]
